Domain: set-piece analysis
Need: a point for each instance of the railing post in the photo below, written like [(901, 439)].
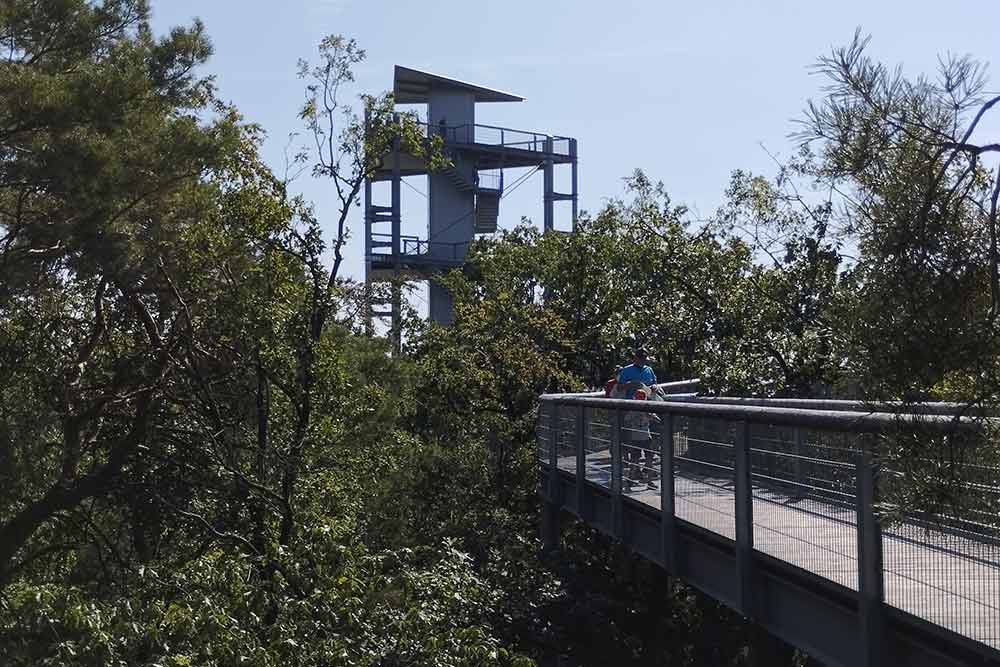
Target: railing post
[(617, 519), (550, 504), (871, 591), (744, 517), (800, 473), (582, 425), (668, 518)]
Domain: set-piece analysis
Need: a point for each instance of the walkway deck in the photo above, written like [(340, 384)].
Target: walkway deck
[(941, 576)]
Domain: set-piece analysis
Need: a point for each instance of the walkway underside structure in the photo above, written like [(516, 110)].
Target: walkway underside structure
[(778, 512)]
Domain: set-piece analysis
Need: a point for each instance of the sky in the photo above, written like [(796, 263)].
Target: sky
[(687, 91)]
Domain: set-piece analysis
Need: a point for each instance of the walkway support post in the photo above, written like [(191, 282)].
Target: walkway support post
[(668, 518), (871, 592), (551, 506), (744, 517), (617, 521)]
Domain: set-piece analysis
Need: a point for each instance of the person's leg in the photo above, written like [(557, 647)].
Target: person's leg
[(651, 452)]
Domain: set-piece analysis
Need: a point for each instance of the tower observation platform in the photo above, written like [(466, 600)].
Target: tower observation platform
[(463, 198)]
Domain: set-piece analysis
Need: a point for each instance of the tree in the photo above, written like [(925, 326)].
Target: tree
[(191, 426), (917, 197), (98, 194)]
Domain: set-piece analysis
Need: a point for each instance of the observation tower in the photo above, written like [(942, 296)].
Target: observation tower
[(463, 200)]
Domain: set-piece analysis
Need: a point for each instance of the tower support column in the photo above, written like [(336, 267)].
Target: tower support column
[(575, 191), (548, 176)]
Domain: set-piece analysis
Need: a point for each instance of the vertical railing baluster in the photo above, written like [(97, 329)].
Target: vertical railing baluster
[(617, 519), (744, 517), (871, 592), (668, 518), (549, 527), (581, 460), (800, 449)]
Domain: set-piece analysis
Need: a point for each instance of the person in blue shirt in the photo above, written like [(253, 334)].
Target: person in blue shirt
[(636, 439), (637, 373)]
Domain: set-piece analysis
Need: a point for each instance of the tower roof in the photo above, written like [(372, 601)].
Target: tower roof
[(412, 86)]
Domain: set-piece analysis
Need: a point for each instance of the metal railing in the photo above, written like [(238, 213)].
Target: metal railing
[(505, 137), (804, 486), (413, 246)]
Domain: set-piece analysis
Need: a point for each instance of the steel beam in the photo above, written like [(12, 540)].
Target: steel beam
[(668, 518), (871, 592), (617, 521)]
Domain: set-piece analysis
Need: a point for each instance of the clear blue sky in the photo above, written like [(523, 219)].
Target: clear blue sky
[(687, 91)]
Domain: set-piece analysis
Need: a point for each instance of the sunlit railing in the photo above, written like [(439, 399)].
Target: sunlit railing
[(505, 137), (801, 485)]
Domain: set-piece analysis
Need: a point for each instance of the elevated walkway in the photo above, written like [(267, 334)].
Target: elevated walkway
[(777, 512)]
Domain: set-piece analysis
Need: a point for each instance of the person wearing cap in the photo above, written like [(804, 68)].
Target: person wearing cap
[(637, 373)]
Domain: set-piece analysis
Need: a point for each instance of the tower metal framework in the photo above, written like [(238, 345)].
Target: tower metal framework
[(463, 199)]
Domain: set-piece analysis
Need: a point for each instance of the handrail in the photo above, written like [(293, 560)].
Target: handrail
[(670, 388), (851, 422), (841, 405), (528, 140), (508, 129)]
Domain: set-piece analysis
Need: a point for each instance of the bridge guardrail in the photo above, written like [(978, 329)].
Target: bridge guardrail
[(802, 485)]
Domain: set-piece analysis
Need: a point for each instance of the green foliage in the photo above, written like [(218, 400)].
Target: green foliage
[(204, 462), (411, 606), (191, 432), (919, 305)]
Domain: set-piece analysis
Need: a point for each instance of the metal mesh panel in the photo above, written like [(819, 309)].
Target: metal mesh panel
[(805, 499), (945, 567), (640, 440), (704, 481), (566, 453), (597, 447), (641, 479), (543, 431)]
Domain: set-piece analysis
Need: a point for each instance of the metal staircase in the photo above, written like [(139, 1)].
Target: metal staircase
[(487, 211), (458, 179), (488, 189)]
